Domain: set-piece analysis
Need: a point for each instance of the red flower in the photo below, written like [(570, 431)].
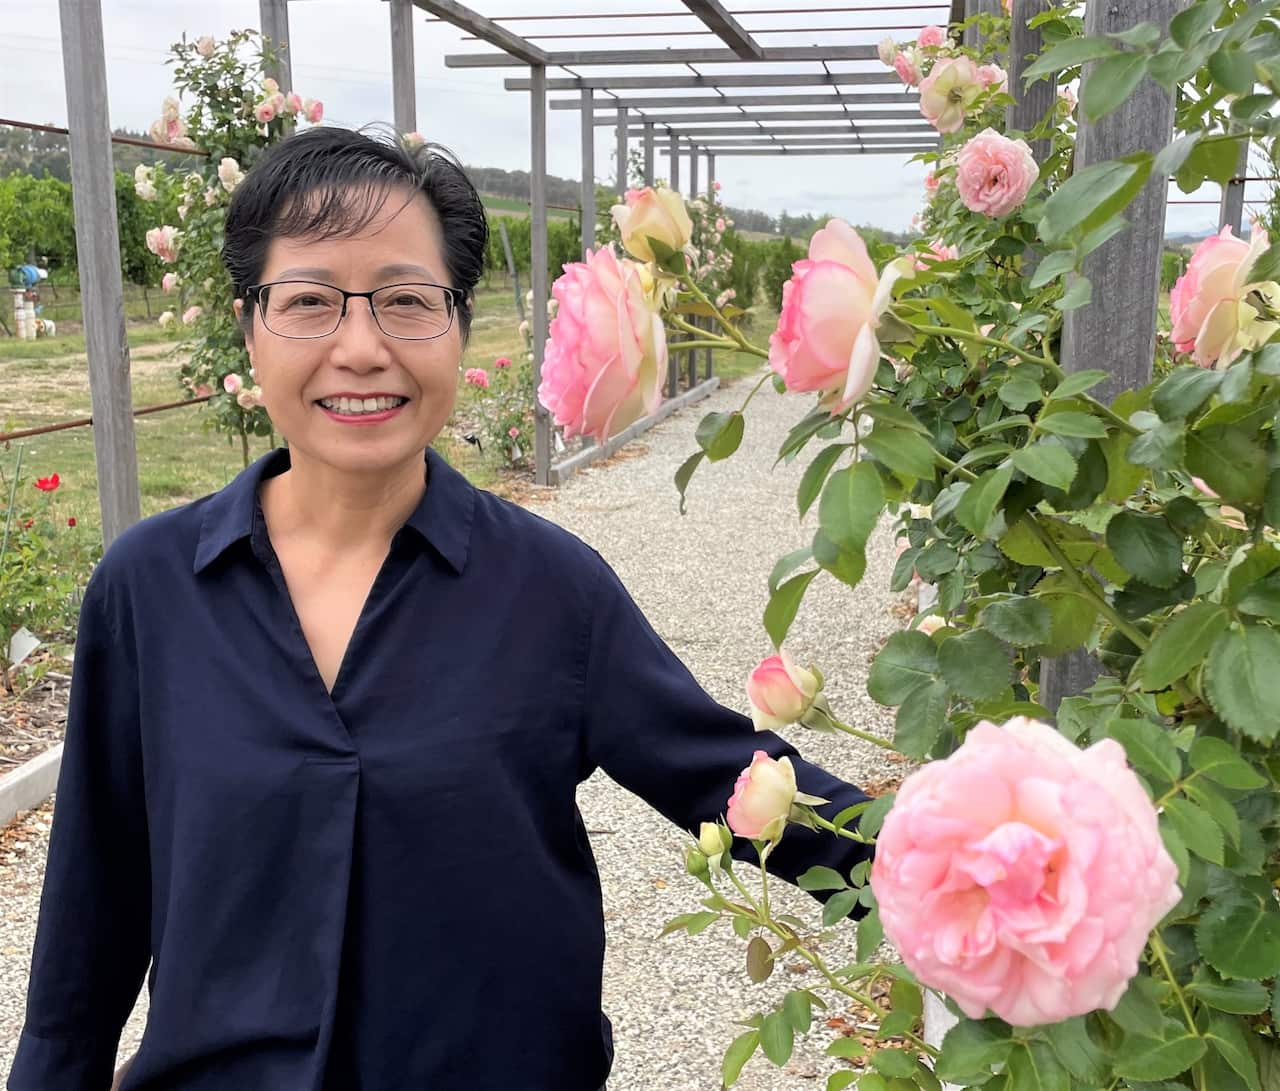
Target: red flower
[(48, 484), (71, 521), (28, 524)]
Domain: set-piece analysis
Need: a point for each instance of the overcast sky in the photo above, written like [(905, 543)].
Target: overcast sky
[(341, 54)]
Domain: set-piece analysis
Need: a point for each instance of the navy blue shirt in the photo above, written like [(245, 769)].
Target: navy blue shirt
[(342, 892)]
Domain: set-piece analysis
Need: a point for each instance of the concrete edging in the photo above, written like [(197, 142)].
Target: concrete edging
[(30, 784), (562, 471)]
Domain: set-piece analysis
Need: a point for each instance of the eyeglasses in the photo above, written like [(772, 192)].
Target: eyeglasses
[(307, 308)]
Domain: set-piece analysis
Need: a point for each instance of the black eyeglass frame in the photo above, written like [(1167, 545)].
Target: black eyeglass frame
[(454, 298)]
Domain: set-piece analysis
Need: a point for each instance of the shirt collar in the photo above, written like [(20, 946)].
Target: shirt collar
[(442, 518)]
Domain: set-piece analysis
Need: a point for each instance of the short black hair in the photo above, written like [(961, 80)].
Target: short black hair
[(328, 164)]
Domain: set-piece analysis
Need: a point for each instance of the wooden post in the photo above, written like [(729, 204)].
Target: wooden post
[(1025, 44), (93, 195), (648, 153), (674, 161), (711, 176), (693, 171), (588, 200), (979, 7), (538, 244), (1231, 210), (622, 152), (1117, 330), (511, 268), (273, 16), (403, 90)]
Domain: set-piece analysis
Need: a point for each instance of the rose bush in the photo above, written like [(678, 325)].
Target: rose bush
[(1095, 901)]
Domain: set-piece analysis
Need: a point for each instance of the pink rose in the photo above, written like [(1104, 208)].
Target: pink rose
[(780, 692), (938, 251), (270, 86), (992, 76), (931, 183), (994, 173), (650, 213), (163, 242), (167, 320), (293, 103), (762, 798), (930, 624), (249, 397), (169, 109), (168, 282), (931, 37), (606, 358), (831, 308), (191, 314), (502, 361), (477, 376), (174, 130), (716, 185), (232, 383), (1022, 875), (205, 46), (907, 65), (887, 51), (1068, 96), (156, 132), (513, 431), (264, 112), (720, 225), (229, 174), (313, 110), (948, 92), (1207, 307), (202, 390)]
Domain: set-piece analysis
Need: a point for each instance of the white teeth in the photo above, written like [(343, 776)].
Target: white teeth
[(354, 407)]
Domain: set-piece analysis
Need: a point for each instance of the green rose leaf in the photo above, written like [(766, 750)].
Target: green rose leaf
[(1198, 831), (737, 1055), (1019, 392), (846, 563), (1092, 196), (1243, 680), (821, 877), (1069, 54), (788, 564), (973, 1047), (894, 1063), (1146, 547), (975, 665), (1237, 997), (1072, 423), (720, 434), (1219, 761), (1188, 27), (904, 452), (1077, 1051), (816, 474), (797, 1005), (1231, 462), (1045, 462), (1181, 643), (1033, 1066), (1176, 1050), (851, 505), (777, 1038), (978, 505), (1228, 1039), (1185, 391), (685, 474), (920, 719), (1020, 619), (1240, 938), (1147, 746), (783, 606), (907, 661), (1078, 382), (1111, 83)]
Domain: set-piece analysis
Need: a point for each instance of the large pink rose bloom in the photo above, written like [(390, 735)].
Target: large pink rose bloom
[(1022, 875), (948, 92), (831, 307), (1206, 307), (606, 357), (994, 173)]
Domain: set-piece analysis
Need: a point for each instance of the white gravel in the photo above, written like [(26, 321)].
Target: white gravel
[(701, 580)]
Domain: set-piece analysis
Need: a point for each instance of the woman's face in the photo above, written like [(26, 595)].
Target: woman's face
[(402, 244)]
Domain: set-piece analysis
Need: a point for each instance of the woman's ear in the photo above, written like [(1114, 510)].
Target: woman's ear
[(246, 328)]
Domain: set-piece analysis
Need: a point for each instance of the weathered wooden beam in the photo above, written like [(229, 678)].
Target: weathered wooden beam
[(726, 28), (1231, 208), (894, 129), (404, 99), (588, 198), (851, 149), (673, 151), (587, 57), (621, 152), (98, 248), (845, 137), (647, 133), (518, 51), (1031, 103), (710, 117), (273, 18), (734, 102), (538, 260), (678, 83)]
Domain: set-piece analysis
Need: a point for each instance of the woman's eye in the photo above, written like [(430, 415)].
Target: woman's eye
[(409, 300), (308, 301)]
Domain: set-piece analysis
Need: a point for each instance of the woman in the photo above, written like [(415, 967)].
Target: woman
[(327, 724)]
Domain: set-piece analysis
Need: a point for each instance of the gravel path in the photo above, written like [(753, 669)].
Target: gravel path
[(701, 580)]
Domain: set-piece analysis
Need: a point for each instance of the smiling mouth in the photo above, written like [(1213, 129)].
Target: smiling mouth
[(354, 407)]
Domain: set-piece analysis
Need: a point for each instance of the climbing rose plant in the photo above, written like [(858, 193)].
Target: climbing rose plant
[(1094, 900)]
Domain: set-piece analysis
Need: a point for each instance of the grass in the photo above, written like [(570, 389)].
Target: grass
[(512, 205), (178, 459)]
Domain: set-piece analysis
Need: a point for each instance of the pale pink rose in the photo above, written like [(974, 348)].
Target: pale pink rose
[(1067, 95), (270, 86), (293, 103), (930, 624), (174, 130), (145, 190), (831, 307), (716, 186), (502, 361), (931, 37), (948, 92), (229, 173), (513, 431), (202, 390), (938, 251), (191, 314), (477, 376), (249, 398), (606, 358), (163, 242), (1232, 517), (993, 77), (780, 692), (1022, 875), (279, 101), (156, 132), (205, 46), (169, 109), (650, 213), (232, 383), (994, 173), (907, 65), (168, 282), (931, 183), (887, 51), (264, 113), (167, 320), (762, 798), (313, 110), (1207, 307), (725, 296), (414, 140), (720, 226)]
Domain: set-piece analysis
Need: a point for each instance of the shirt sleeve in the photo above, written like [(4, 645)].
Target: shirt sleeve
[(659, 734), (92, 939)]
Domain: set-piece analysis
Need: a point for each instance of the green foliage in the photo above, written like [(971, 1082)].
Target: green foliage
[(36, 221), (777, 269)]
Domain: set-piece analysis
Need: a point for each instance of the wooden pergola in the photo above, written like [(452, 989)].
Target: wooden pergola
[(808, 100)]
